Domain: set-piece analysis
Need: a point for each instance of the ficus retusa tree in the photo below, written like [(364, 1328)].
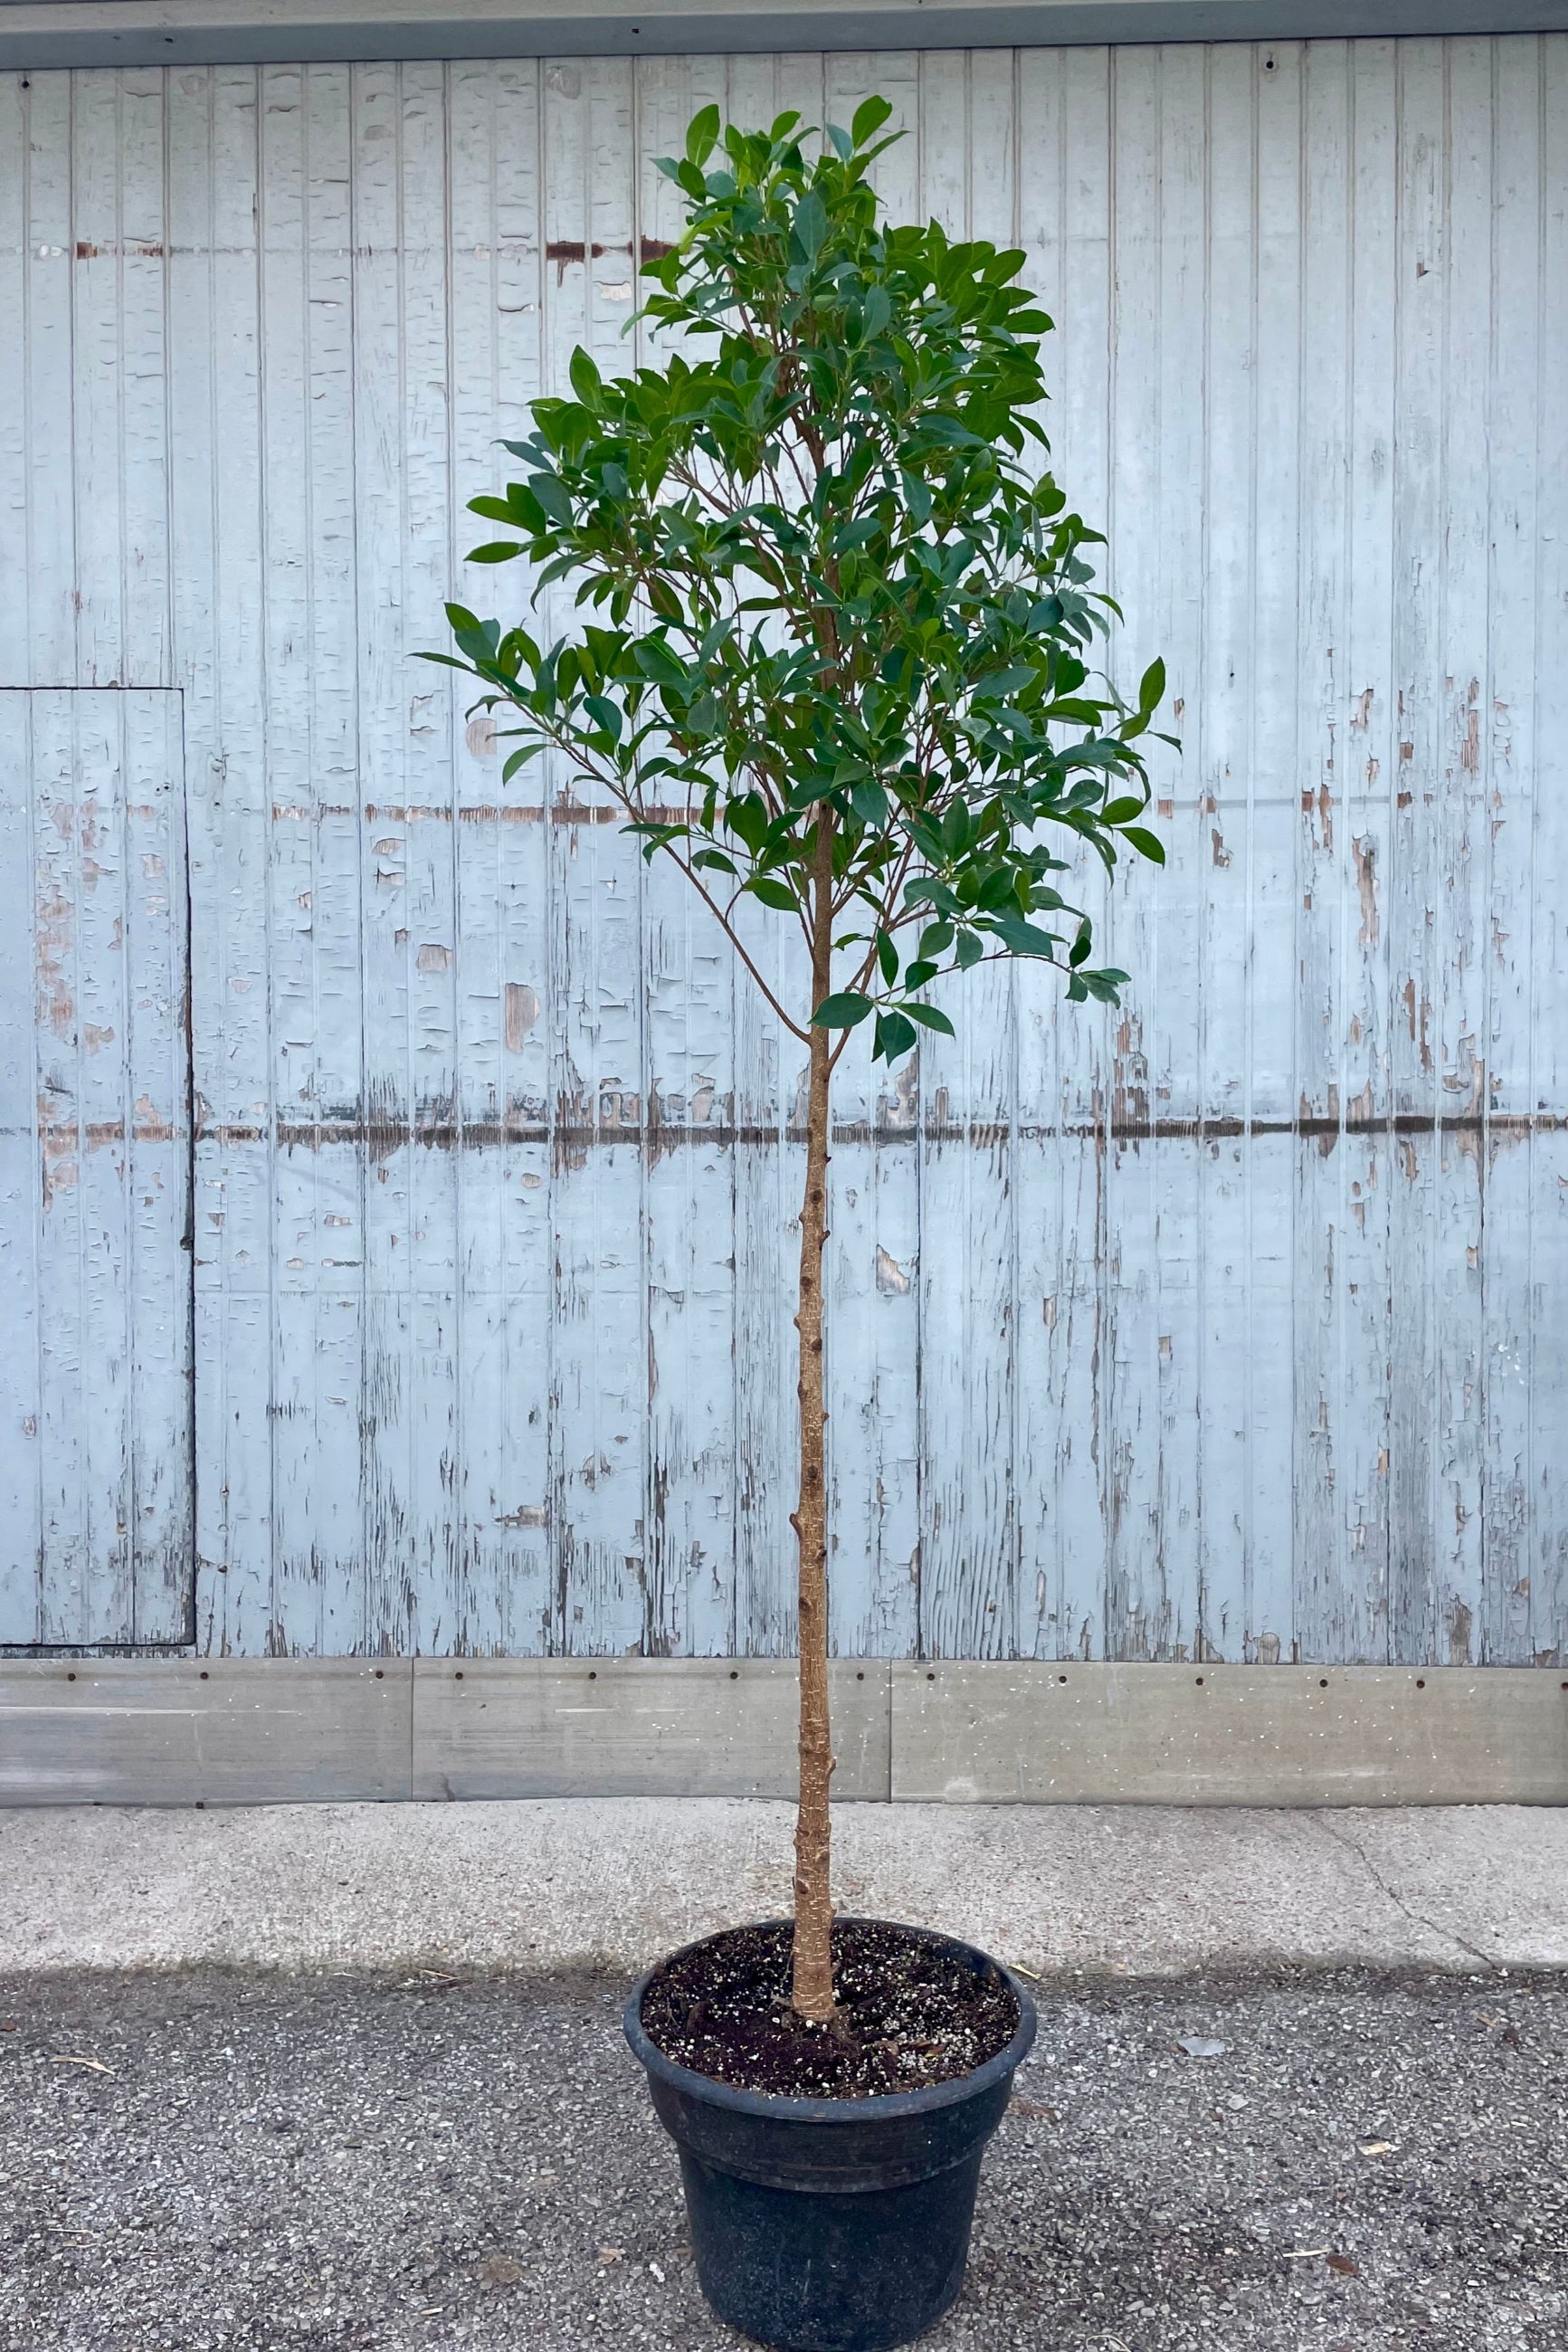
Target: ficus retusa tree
[(834, 656)]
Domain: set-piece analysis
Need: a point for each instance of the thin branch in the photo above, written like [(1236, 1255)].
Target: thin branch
[(735, 941)]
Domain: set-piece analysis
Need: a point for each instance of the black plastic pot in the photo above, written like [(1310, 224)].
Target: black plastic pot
[(834, 2225)]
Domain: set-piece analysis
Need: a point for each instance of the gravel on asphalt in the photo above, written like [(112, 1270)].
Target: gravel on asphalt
[(429, 2163)]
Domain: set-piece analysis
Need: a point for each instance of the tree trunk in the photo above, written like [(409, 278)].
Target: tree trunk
[(812, 1990)]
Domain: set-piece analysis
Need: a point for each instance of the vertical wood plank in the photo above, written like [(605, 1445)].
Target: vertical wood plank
[(1039, 1146), (1319, 1551), (597, 1462), (51, 582), (1412, 897), (969, 1571), (216, 204), (14, 419), (119, 264), (1174, 1017), (1148, 1611), (770, 1168), (80, 921), (1061, 1158), (502, 856), (21, 1205), (1224, 952), (98, 375), (155, 1163), (872, 1274), (1465, 888), (443, 1203), (407, 1595), (1549, 1222), (1520, 834), (689, 984), (1271, 1087), (1343, 1338), (307, 415)]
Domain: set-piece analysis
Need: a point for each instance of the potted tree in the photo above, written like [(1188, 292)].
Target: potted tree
[(835, 659)]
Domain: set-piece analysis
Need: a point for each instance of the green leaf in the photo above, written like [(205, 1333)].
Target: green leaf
[(585, 378), (550, 492), (887, 957), (810, 224), (894, 1036), (495, 550), (868, 119), (1152, 689), (1023, 938), (519, 759), (655, 660), (772, 893), (869, 803), (702, 136), (1149, 844), (1122, 811), (967, 950), (844, 1012), (929, 1018)]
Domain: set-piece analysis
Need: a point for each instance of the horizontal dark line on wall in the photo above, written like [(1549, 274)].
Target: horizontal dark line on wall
[(381, 1136)]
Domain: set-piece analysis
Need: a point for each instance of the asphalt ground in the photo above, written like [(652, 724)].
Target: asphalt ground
[(414, 2162)]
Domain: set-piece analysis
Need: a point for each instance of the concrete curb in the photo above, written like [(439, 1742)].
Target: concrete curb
[(262, 1731), (554, 1882)]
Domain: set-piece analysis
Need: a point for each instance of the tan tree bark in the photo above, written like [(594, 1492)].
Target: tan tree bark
[(812, 1990)]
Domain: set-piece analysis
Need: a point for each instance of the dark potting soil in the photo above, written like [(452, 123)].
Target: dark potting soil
[(909, 2015)]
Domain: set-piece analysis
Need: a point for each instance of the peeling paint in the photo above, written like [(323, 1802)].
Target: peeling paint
[(1364, 853), (522, 1011), (890, 1279)]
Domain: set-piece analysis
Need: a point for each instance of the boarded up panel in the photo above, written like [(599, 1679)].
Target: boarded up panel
[(1228, 1328), (95, 1140)]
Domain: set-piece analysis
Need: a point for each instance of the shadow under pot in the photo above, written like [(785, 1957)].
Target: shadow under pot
[(832, 2224)]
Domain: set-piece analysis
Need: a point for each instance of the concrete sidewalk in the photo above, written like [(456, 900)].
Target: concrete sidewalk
[(1133, 1891)]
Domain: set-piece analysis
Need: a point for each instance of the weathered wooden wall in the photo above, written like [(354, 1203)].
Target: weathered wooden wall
[(1237, 1324)]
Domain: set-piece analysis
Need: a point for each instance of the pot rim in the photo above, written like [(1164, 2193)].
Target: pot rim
[(885, 2106)]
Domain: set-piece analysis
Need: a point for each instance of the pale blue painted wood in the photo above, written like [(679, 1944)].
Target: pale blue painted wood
[(1232, 1324), (96, 1503)]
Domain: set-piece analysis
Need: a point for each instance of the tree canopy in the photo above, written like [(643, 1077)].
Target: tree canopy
[(820, 578)]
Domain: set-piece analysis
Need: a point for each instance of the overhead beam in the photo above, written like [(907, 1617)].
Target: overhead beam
[(40, 34)]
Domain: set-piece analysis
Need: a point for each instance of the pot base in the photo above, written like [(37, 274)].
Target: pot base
[(831, 2273)]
